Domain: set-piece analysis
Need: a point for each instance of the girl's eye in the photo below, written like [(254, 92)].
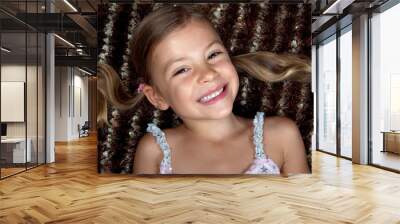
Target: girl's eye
[(181, 71), (213, 55)]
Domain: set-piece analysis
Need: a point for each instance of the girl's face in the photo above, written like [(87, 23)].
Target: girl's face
[(192, 73)]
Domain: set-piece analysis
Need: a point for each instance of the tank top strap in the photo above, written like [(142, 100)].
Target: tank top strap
[(162, 142), (258, 138)]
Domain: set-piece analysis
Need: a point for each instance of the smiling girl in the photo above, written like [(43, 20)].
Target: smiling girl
[(186, 67)]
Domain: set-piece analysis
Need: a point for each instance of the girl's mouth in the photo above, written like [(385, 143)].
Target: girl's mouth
[(214, 96)]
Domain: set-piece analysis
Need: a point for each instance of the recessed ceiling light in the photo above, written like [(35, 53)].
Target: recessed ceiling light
[(65, 41), (5, 50), (86, 72), (337, 7), (70, 5)]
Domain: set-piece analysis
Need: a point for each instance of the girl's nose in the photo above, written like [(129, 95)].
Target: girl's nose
[(207, 74)]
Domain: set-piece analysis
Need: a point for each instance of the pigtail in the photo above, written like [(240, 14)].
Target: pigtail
[(270, 67), (110, 88), (102, 120)]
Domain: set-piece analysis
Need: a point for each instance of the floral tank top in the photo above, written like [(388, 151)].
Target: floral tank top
[(261, 164)]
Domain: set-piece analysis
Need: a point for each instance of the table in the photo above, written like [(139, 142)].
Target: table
[(391, 141), (15, 148)]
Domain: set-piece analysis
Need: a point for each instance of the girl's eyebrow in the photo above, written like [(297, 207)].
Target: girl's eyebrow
[(170, 62)]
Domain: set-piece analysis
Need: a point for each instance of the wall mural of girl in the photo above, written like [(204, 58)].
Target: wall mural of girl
[(261, 60)]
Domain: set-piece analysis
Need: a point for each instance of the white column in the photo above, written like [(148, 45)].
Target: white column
[(50, 93), (360, 90)]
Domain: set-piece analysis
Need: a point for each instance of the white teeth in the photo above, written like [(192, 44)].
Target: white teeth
[(211, 96)]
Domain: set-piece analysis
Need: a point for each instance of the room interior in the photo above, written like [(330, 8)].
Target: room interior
[(49, 171)]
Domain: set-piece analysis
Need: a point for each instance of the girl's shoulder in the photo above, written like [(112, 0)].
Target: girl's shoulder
[(280, 129), (279, 132), (274, 124), (149, 140), (279, 123), (276, 128), (285, 144), (147, 155)]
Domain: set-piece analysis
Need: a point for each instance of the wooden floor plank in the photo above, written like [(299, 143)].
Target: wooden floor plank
[(71, 191)]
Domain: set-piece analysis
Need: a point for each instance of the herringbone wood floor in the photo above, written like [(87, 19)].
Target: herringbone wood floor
[(71, 191)]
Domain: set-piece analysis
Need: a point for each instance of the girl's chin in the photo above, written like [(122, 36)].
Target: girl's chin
[(219, 113), (215, 114)]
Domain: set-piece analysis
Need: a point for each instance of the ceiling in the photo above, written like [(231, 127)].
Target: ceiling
[(76, 25), (332, 15)]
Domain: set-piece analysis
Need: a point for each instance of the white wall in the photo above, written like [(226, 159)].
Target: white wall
[(61, 103), (10, 73), (80, 110), (71, 94)]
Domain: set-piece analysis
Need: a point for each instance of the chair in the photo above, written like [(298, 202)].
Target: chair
[(84, 130)]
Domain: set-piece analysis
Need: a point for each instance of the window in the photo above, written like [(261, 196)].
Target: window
[(327, 95), (385, 88), (346, 92)]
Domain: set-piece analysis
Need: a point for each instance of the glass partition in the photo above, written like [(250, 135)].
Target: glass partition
[(327, 95), (22, 88), (33, 65), (14, 146)]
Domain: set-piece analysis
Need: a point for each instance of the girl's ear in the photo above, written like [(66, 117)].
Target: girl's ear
[(154, 97)]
